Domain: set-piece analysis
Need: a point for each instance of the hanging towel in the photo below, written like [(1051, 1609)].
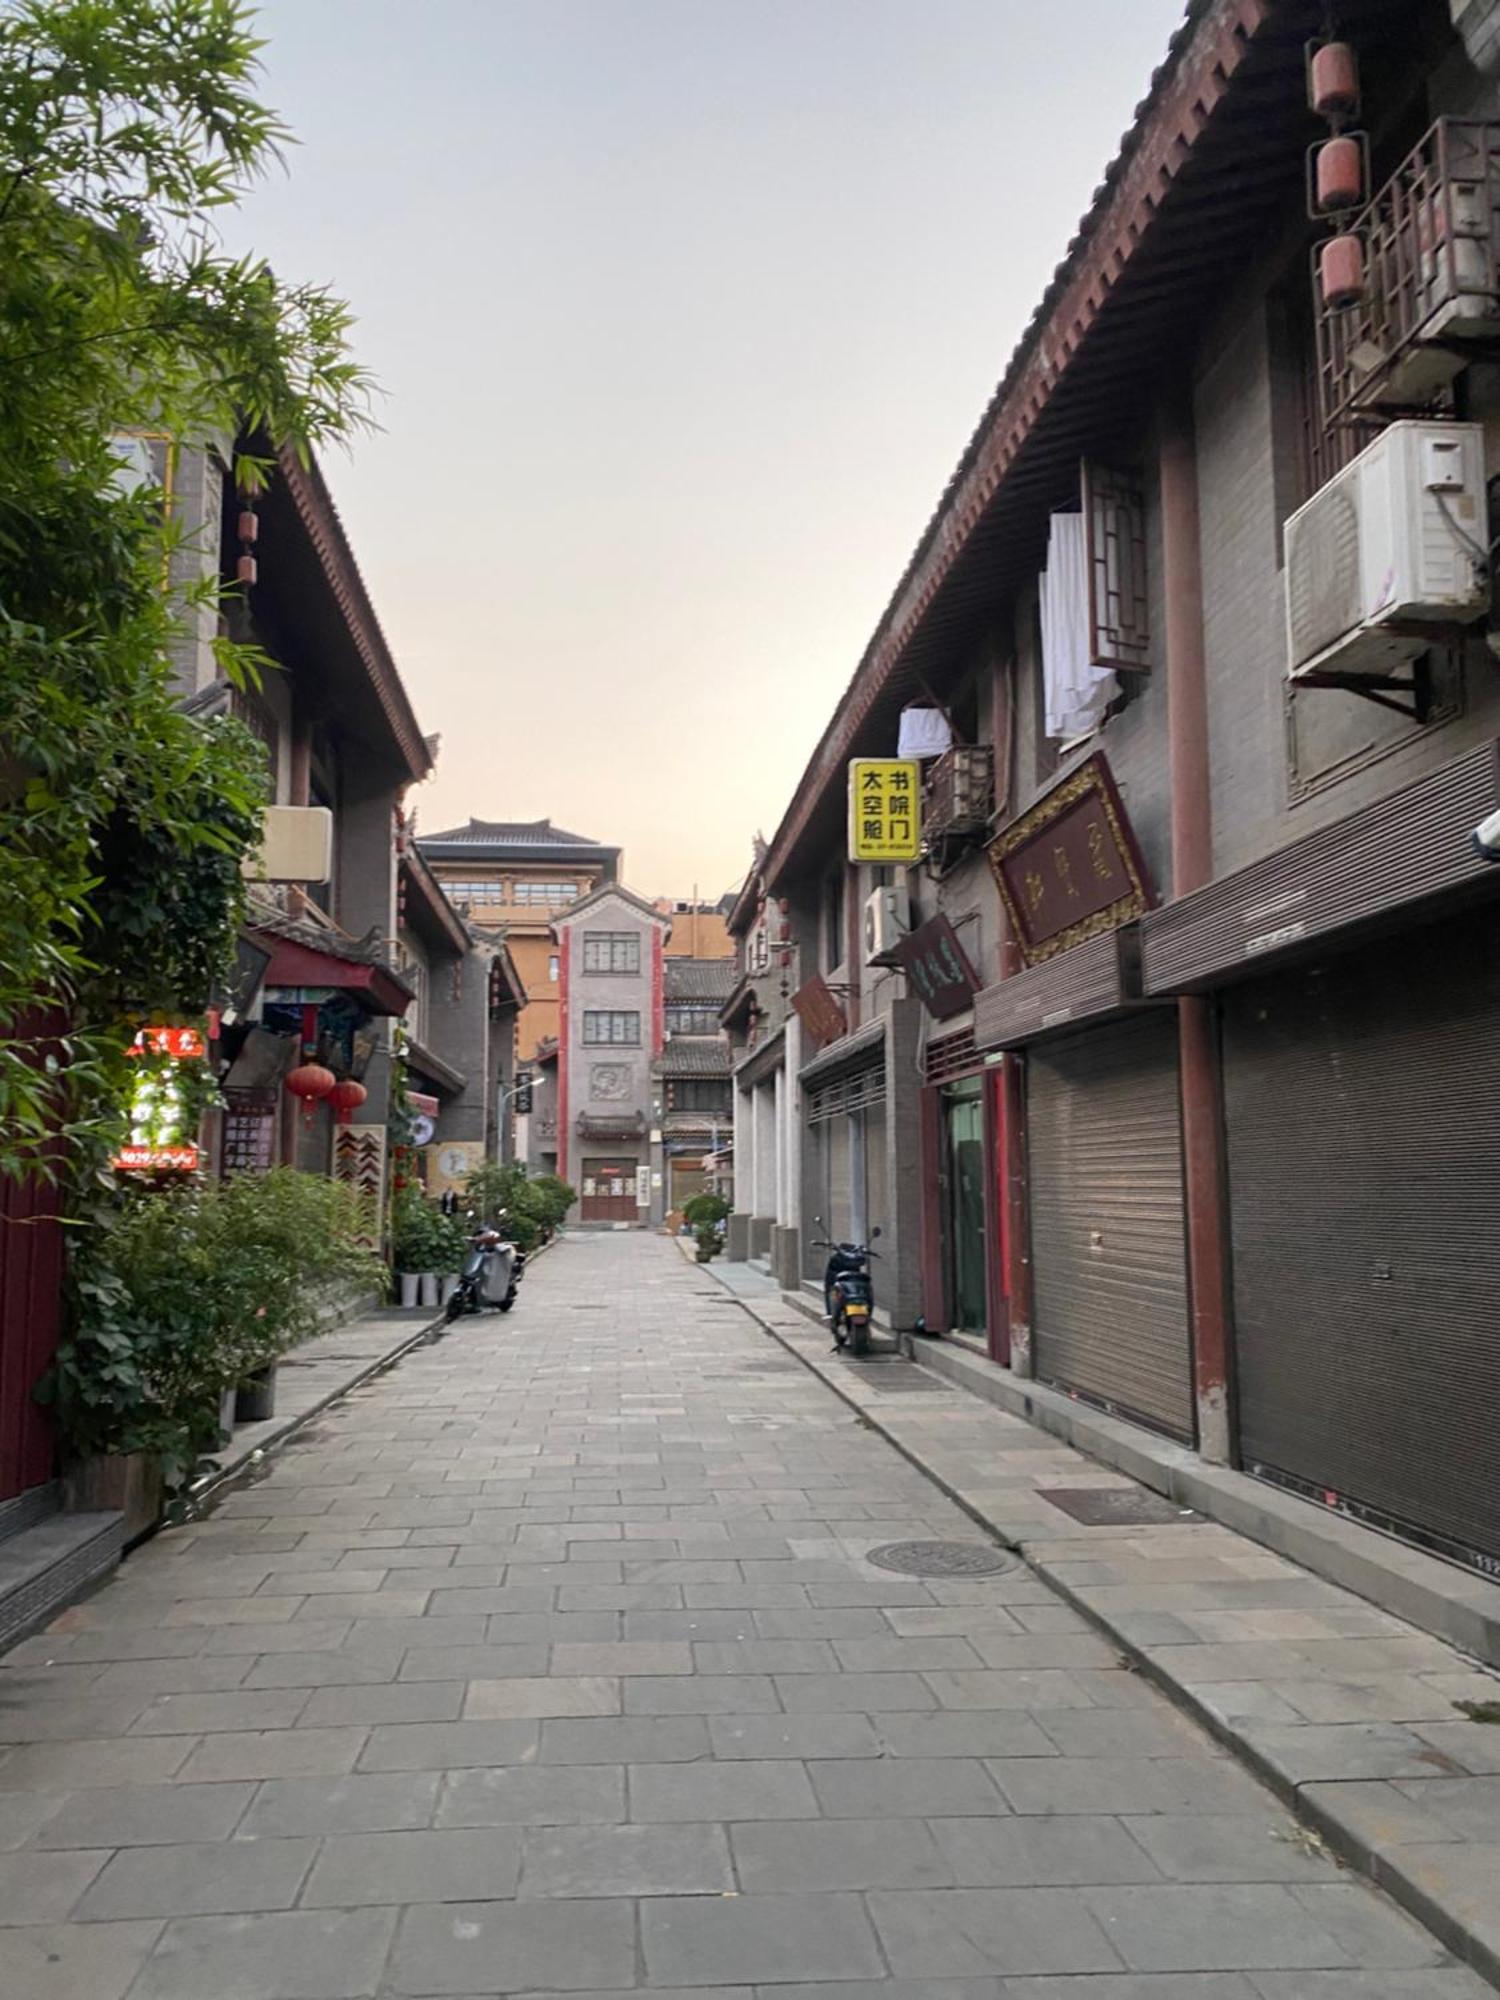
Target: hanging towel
[(924, 732), (1077, 692)]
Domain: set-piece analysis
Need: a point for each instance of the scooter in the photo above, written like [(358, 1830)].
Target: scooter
[(848, 1292), (492, 1271)]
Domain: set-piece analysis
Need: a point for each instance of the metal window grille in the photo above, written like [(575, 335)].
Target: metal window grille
[(1114, 514), (951, 1056), (856, 1090)]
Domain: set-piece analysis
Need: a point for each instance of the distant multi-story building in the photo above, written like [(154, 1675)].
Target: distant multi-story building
[(517, 876), (699, 929), (612, 1009), (693, 1108)]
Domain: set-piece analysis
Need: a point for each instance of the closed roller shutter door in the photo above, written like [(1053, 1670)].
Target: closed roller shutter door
[(1362, 1106), (840, 1179), (1108, 1249)]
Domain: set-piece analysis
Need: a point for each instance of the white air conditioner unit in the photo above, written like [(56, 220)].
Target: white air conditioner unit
[(887, 920), (1389, 553)]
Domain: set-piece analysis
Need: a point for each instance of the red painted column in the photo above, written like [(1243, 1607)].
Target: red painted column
[(1192, 866), (564, 938), (1015, 1234)]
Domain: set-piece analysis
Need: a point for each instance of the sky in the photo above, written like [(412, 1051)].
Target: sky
[(683, 312)]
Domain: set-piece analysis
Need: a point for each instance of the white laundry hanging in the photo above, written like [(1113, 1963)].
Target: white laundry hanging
[(924, 732), (1077, 691)]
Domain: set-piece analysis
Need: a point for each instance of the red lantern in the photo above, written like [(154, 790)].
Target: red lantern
[(1339, 174), (1333, 81), (310, 1081), (1341, 272), (347, 1096)]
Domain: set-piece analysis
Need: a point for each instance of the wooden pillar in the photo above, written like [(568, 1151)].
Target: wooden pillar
[(1192, 866)]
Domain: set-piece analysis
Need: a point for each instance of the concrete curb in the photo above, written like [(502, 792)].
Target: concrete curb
[(202, 1496), (1467, 1924)]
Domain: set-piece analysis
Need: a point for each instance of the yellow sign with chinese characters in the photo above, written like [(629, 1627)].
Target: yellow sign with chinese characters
[(885, 809)]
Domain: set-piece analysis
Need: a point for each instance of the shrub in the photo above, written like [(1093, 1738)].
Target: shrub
[(705, 1215), (179, 1294)]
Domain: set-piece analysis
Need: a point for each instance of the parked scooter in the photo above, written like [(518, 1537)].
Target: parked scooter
[(848, 1291), (492, 1271)]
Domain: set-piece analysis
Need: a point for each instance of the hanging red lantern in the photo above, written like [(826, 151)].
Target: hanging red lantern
[(246, 569), (346, 1097), (310, 1081), (1339, 174), (1333, 81), (1341, 272)]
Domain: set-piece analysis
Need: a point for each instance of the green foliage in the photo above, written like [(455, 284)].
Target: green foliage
[(552, 1197), (703, 1214), (423, 1238), (182, 1293), (125, 127), (504, 1195)]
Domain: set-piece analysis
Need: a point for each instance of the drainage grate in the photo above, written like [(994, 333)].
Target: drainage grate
[(1117, 1506), (899, 1378), (942, 1558)]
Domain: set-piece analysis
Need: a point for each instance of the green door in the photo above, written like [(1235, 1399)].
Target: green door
[(963, 1220)]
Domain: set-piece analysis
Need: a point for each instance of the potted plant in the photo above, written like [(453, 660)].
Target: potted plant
[(706, 1214), (451, 1238), (416, 1247)]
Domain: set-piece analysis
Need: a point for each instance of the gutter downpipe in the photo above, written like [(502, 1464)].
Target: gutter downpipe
[(1192, 866)]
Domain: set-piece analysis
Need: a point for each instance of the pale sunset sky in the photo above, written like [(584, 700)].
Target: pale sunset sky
[(683, 311)]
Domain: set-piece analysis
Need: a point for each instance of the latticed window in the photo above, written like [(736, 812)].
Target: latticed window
[(611, 951), (619, 1026), (544, 894)]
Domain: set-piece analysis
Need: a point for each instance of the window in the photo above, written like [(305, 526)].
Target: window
[(602, 1025), (544, 894), (611, 951), (692, 1020), (474, 894), (552, 968), (701, 1094), (834, 941)]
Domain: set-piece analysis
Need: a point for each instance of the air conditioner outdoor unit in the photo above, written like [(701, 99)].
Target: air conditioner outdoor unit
[(887, 920), (1389, 553)]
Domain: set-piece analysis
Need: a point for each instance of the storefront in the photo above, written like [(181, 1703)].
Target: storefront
[(609, 1190), (961, 1216), (844, 1112), (1361, 1079), (614, 1174)]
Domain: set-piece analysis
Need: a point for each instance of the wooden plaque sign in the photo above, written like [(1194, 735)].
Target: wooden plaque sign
[(938, 967), (1069, 868), (819, 1012)]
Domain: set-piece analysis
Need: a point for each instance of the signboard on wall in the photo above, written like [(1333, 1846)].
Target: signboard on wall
[(1069, 868), (819, 1012), (885, 809), (938, 967)]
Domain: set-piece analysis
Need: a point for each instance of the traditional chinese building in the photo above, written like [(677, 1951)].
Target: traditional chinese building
[(1209, 1149)]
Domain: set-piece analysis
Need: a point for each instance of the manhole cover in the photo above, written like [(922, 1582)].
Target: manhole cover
[(1117, 1506), (941, 1558)]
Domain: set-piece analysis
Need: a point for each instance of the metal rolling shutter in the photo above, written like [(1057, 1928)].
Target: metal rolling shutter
[(1362, 1103), (1109, 1267), (840, 1179)]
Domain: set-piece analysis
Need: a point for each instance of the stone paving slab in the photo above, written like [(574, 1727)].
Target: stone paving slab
[(551, 1662), (1351, 1714)]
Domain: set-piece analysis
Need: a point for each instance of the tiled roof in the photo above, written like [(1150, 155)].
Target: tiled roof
[(693, 1055), (710, 980), (525, 839)]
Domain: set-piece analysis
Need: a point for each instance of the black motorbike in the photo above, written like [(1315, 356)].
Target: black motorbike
[(849, 1292), (492, 1271)]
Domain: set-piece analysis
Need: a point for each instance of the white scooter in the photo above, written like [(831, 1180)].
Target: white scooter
[(492, 1271)]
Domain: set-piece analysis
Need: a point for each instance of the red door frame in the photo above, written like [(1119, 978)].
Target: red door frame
[(997, 1217)]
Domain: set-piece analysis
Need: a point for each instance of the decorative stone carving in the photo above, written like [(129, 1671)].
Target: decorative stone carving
[(609, 1082)]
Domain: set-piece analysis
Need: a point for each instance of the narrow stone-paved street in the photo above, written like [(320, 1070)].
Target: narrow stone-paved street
[(551, 1662)]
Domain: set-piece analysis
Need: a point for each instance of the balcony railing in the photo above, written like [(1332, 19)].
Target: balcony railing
[(959, 796), (1432, 286)]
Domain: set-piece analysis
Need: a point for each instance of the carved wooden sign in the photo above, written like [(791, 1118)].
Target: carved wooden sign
[(938, 967), (1070, 868), (819, 1012)]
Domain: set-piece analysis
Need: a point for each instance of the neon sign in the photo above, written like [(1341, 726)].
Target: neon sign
[(162, 1121)]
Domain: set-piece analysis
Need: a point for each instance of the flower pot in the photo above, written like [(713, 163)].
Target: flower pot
[(255, 1398), (409, 1282), (704, 1256), (428, 1294), (448, 1288), (124, 1483)]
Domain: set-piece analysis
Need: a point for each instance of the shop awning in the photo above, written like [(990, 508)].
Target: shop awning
[(302, 967)]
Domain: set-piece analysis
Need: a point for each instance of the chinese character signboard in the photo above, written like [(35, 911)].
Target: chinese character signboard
[(1070, 868), (164, 1108), (819, 1012), (885, 809), (249, 1130), (938, 967)]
